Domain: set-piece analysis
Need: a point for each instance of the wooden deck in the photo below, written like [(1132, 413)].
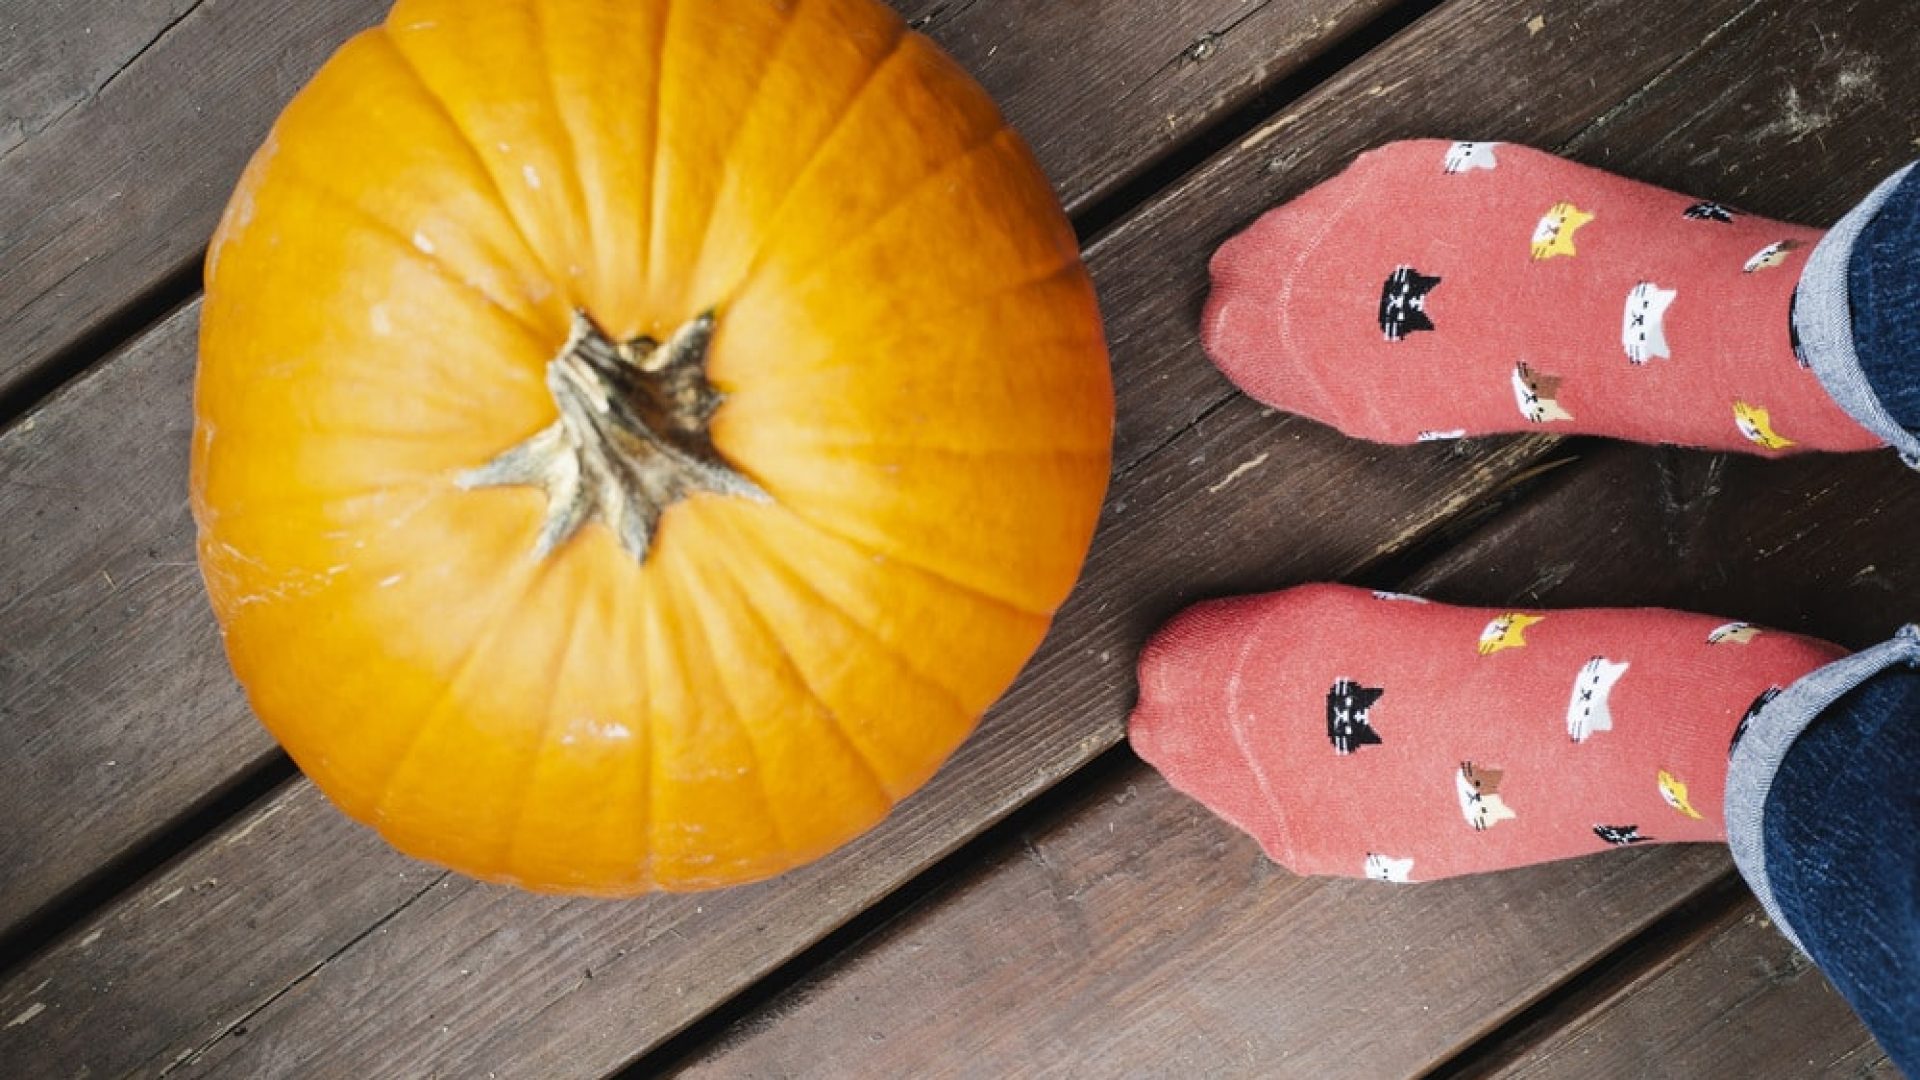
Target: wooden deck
[(175, 899)]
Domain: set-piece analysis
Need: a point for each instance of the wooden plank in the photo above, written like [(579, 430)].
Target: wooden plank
[(60, 53), (1737, 1001), (1137, 933), (1176, 528), (104, 197), (139, 675)]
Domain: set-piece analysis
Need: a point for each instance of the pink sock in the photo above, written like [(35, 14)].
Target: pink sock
[(1435, 290), (1369, 734)]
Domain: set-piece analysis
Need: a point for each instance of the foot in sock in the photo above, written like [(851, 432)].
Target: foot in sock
[(1370, 734), (1436, 290)]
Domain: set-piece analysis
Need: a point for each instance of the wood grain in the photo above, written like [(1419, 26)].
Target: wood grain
[(1138, 933), (119, 166), (1737, 1001), (60, 54), (1177, 527), (1140, 936)]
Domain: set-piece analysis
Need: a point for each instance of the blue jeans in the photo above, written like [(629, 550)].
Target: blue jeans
[(1823, 793)]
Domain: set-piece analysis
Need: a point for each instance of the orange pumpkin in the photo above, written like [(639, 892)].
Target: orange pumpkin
[(636, 440)]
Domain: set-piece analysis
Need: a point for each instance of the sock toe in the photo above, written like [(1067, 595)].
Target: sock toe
[(1183, 724)]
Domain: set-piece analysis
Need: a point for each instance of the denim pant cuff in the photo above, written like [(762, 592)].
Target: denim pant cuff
[(1823, 319), (1770, 735)]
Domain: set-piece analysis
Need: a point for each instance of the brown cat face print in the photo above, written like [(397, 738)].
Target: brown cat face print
[(1480, 803), (1538, 395)]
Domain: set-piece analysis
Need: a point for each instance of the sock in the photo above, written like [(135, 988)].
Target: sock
[(1436, 290), (1372, 734)]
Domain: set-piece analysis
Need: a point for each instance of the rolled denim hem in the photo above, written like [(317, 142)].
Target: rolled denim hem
[(1823, 318), (1770, 735)]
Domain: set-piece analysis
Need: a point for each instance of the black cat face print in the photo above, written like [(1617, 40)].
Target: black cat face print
[(1708, 211), (1348, 725), (1620, 835), (1740, 731), (1403, 303)]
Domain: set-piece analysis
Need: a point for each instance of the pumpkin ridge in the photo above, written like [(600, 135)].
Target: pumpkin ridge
[(792, 506), (484, 639), (306, 182), (744, 601), (873, 223), (569, 147), (1069, 267), (764, 242), (690, 599), (514, 835), (654, 151), (465, 139), (773, 557), (747, 107)]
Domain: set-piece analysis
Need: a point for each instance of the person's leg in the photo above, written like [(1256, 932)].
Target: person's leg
[(1437, 290), (1823, 817), (1856, 312)]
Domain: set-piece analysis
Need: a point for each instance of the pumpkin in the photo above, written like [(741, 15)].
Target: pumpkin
[(635, 441)]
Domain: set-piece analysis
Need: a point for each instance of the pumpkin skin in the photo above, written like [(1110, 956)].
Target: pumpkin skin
[(913, 378)]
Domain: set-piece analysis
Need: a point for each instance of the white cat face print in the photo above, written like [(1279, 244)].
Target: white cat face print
[(1733, 633), (1467, 156), (1590, 709), (1643, 329), (1382, 868)]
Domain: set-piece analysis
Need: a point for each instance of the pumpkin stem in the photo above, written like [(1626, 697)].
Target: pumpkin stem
[(631, 439)]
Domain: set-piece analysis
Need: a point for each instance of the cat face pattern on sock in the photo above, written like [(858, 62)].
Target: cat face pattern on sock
[(1554, 234), (1348, 725), (1478, 787), (1538, 395), (1643, 329), (1384, 868), (1733, 633), (1509, 631), (1438, 290), (1403, 302), (1591, 709), (1585, 730), (1620, 835), (1746, 720)]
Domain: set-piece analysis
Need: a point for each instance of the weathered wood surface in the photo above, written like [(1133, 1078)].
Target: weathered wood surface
[(117, 154), (291, 940), (1138, 931), (105, 632), (1177, 528), (1736, 1001)]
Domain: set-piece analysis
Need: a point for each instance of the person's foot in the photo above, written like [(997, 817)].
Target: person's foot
[(1370, 734), (1437, 290)]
